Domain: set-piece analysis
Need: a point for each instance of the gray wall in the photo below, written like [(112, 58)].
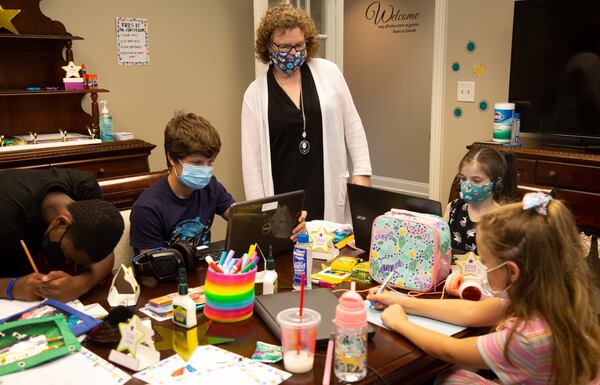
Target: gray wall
[(389, 74), (201, 60)]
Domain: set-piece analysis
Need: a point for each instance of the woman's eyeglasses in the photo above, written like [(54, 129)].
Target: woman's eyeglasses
[(287, 48)]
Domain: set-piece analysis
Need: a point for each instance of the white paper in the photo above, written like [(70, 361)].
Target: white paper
[(8, 308), (212, 365), (132, 41), (83, 367), (374, 317)]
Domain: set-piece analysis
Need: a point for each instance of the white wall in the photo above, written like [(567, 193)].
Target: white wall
[(201, 60), (388, 67), (489, 25)]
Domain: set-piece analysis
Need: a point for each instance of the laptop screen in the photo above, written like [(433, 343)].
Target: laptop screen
[(267, 221), (367, 203)]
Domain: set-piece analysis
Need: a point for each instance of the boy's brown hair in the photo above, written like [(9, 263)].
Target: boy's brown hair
[(188, 134)]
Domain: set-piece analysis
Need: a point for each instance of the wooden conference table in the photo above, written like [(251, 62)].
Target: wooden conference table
[(394, 358)]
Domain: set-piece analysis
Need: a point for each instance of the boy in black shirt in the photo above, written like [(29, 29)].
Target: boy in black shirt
[(68, 229)]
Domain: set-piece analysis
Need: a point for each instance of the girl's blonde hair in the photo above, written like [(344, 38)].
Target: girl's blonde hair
[(285, 16), (555, 283)]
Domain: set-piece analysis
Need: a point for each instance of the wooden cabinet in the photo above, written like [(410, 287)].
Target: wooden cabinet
[(569, 174), (33, 99), (103, 160)]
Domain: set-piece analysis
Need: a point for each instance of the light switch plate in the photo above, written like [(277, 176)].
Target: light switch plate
[(465, 92)]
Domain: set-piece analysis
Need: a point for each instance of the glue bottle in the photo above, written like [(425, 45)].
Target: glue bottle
[(184, 307), (350, 362), (106, 126), (302, 261), (270, 277)]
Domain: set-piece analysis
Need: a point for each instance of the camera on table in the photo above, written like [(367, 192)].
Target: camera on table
[(163, 263)]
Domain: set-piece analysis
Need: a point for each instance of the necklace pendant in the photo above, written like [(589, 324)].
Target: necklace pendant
[(304, 147)]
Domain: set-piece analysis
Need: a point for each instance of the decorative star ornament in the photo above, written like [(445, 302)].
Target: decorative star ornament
[(479, 70), (6, 15), (132, 334), (321, 239), (72, 70)]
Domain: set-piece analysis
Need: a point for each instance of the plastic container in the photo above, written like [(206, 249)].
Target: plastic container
[(516, 131), (503, 119), (229, 297), (350, 361), (73, 84), (106, 125), (298, 338), (184, 307), (302, 261)]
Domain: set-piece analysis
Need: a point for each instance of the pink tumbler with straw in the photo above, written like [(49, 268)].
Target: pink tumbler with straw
[(350, 363)]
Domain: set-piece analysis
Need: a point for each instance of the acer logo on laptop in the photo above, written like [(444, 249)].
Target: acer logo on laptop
[(361, 217)]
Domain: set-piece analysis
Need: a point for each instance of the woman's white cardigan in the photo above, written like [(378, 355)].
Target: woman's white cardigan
[(343, 134)]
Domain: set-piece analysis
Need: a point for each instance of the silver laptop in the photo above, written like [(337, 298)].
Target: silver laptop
[(266, 221)]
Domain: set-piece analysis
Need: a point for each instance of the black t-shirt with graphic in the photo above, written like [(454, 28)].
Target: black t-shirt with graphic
[(21, 196), (462, 228)]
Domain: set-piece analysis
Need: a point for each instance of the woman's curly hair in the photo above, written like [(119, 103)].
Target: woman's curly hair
[(285, 16)]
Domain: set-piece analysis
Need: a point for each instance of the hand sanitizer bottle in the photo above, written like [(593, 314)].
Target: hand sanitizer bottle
[(184, 307), (106, 126), (350, 362)]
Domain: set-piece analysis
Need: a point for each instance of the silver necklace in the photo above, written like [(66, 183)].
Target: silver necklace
[(304, 146)]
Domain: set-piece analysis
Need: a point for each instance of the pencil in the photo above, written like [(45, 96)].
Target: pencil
[(29, 256)]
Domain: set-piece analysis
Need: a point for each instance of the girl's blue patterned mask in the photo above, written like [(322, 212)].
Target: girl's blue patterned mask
[(288, 62), (471, 193)]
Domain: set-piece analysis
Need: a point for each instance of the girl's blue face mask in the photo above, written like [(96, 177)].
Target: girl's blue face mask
[(195, 177), (471, 193)]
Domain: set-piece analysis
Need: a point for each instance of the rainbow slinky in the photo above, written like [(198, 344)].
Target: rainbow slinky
[(229, 297)]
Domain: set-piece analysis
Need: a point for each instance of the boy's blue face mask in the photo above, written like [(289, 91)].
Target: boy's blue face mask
[(195, 177), (471, 193)]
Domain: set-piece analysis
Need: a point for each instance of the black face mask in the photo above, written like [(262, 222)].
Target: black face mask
[(53, 250)]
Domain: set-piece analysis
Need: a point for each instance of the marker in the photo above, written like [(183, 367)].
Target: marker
[(223, 256), (244, 260), (322, 283), (248, 267), (213, 265), (383, 285), (229, 266), (229, 256), (251, 249), (237, 266)]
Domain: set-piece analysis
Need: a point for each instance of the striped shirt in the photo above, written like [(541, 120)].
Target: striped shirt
[(530, 354)]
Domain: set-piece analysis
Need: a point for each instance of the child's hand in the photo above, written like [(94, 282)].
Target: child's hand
[(301, 227), (382, 300), (394, 315)]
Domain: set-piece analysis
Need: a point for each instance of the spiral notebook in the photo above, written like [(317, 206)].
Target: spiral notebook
[(321, 300)]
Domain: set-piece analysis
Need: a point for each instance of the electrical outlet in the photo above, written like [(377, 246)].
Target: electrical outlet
[(465, 92)]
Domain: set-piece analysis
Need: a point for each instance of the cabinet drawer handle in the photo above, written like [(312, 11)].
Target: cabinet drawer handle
[(101, 172), (552, 174)]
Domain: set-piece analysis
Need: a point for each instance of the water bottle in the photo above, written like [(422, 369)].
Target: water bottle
[(302, 261), (106, 125), (350, 362)]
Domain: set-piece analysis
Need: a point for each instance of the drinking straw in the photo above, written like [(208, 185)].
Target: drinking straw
[(303, 277)]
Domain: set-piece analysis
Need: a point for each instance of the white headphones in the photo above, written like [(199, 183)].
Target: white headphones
[(468, 288)]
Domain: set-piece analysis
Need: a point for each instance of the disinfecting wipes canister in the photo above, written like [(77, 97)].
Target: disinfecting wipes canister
[(503, 118)]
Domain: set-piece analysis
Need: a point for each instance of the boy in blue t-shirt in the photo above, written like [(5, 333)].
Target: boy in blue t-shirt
[(183, 204)]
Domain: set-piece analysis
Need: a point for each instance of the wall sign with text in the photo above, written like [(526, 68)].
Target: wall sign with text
[(132, 41), (387, 15)]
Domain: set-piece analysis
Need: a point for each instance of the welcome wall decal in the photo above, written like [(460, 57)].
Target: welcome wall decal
[(386, 16)]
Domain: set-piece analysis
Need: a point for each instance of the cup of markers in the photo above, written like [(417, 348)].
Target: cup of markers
[(229, 287)]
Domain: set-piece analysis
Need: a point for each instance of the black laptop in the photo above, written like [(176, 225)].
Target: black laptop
[(266, 221), (319, 299), (367, 203)]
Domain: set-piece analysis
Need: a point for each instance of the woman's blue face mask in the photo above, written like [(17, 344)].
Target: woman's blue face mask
[(195, 177), (289, 62)]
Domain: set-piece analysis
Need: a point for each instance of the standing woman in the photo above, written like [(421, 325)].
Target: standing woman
[(299, 123)]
